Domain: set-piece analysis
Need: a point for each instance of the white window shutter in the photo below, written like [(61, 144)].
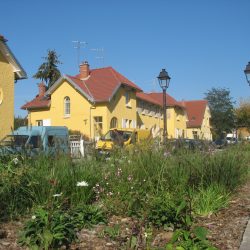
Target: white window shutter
[(123, 123), (134, 124)]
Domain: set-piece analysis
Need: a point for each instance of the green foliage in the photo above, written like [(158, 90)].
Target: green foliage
[(165, 211), (48, 70), (54, 228), (112, 232), (222, 110), (157, 188), (20, 121), (209, 200), (190, 240), (242, 114)]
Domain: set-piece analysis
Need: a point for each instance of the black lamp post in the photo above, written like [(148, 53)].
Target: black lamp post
[(164, 80), (247, 73)]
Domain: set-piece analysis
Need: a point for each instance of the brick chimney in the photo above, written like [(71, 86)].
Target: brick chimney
[(84, 70), (42, 89)]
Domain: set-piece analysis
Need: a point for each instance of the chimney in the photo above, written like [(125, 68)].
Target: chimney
[(42, 89), (84, 70)]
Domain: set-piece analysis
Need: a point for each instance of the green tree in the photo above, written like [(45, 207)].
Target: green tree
[(20, 121), (48, 71), (222, 110), (242, 113)]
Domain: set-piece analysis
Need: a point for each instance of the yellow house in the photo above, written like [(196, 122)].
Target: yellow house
[(150, 114), (10, 71), (198, 125), (90, 102), (96, 100)]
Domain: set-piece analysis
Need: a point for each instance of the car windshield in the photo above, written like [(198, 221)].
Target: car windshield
[(114, 135), (14, 140)]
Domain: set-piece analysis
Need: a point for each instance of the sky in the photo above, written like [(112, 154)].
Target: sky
[(203, 44)]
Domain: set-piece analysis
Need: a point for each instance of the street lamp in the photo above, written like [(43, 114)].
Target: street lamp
[(164, 80), (247, 73)]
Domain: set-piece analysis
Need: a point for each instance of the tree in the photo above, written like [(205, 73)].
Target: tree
[(20, 121), (242, 114), (48, 70), (222, 111)]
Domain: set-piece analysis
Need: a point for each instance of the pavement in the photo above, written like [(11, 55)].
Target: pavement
[(245, 244)]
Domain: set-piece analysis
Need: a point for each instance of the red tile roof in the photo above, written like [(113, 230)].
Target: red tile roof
[(170, 101), (37, 103), (195, 112), (102, 83), (100, 86), (146, 97)]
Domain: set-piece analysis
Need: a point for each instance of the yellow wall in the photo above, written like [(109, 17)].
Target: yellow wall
[(176, 121), (203, 132), (7, 89), (83, 112)]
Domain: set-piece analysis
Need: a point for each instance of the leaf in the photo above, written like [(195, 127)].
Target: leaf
[(133, 242), (200, 233), (181, 207)]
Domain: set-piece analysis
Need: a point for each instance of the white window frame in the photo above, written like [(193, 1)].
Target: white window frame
[(66, 104)]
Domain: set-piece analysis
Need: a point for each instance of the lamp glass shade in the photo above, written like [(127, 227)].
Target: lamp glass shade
[(164, 79)]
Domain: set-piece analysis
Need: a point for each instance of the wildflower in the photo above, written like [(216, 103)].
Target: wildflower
[(57, 195), (130, 178), (15, 160), (145, 235), (82, 184), (33, 217), (129, 161)]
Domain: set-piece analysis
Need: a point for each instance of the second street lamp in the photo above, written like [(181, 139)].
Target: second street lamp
[(164, 80), (247, 73)]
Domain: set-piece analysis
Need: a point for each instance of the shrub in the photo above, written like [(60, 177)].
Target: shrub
[(54, 228)]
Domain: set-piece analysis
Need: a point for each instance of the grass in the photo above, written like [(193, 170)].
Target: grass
[(146, 182)]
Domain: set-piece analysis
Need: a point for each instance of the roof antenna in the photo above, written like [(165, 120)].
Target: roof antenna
[(77, 46), (100, 55)]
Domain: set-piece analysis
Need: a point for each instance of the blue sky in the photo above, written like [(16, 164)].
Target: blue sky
[(201, 43)]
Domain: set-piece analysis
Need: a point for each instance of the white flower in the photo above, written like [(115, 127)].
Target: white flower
[(15, 160), (57, 195), (82, 184), (33, 217)]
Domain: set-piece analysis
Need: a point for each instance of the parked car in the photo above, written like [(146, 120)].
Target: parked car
[(220, 143), (36, 139), (122, 137)]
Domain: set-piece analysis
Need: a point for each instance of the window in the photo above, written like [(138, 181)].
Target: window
[(195, 135), (39, 122), (127, 99), (113, 122), (98, 125), (66, 106), (35, 141)]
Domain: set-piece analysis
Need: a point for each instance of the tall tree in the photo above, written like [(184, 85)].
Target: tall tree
[(48, 71), (222, 110), (242, 113)]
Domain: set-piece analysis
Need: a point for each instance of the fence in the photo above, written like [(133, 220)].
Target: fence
[(78, 147)]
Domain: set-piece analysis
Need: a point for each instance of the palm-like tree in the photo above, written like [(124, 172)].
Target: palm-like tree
[(48, 71)]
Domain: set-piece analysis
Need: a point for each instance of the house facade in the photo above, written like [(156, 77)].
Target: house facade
[(96, 100), (198, 124), (91, 102), (10, 71)]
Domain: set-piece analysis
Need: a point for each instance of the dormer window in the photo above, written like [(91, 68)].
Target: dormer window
[(66, 106)]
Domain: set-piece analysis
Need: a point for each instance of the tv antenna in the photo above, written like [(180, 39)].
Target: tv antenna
[(100, 55), (77, 46)]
